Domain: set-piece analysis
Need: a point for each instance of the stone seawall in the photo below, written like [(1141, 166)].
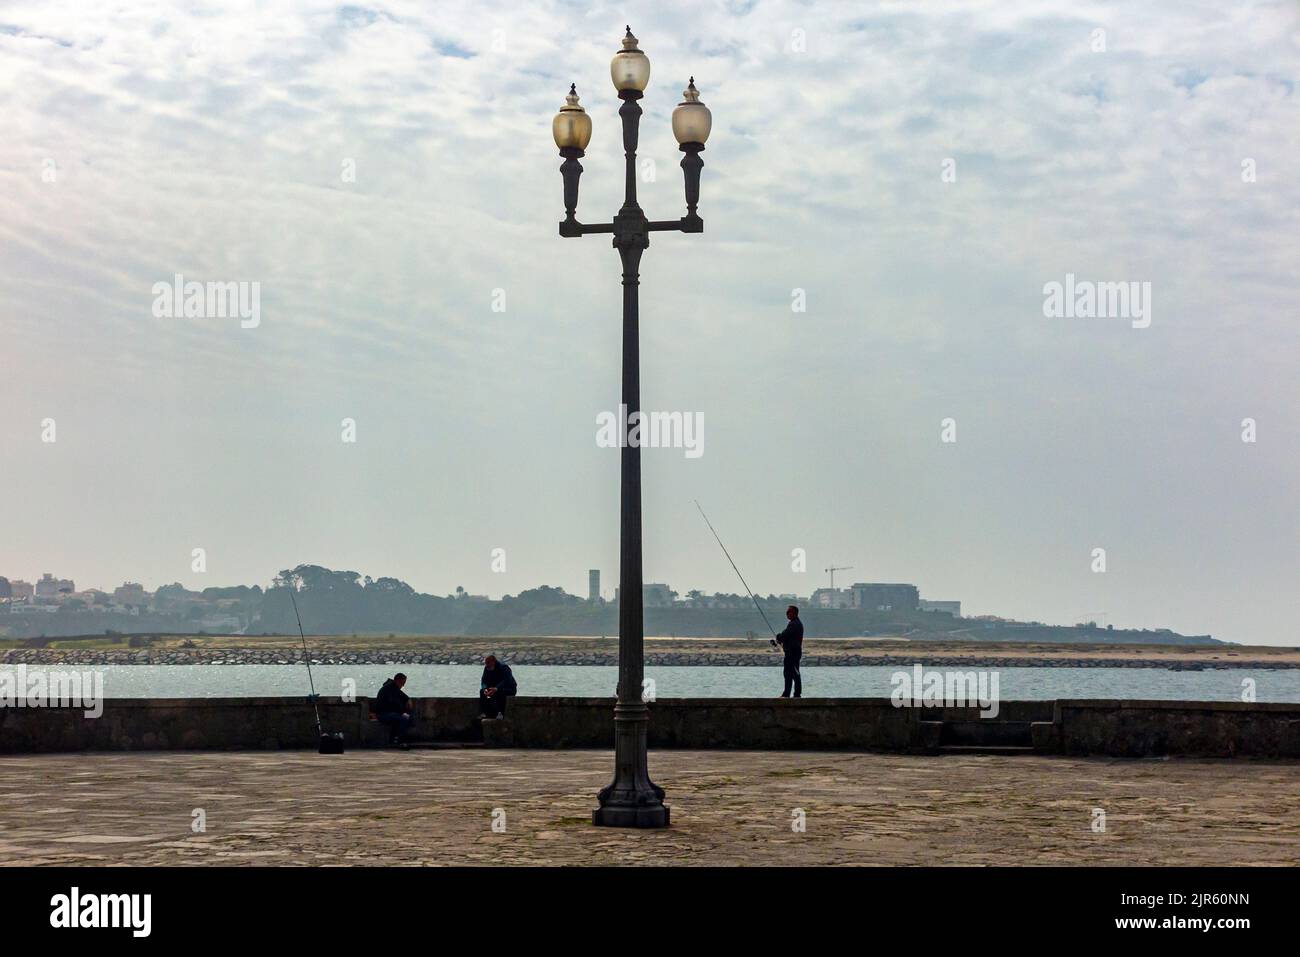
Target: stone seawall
[(1114, 728), (1136, 729)]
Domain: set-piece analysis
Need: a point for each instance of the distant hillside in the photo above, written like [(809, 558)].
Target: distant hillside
[(345, 608), (343, 603)]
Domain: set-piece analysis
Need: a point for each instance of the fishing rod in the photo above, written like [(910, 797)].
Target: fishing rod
[(737, 571), (329, 743), (306, 658)]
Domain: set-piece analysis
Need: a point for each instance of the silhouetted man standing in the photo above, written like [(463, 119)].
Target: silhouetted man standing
[(791, 640)]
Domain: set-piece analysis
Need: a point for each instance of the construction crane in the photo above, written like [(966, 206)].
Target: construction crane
[(837, 568)]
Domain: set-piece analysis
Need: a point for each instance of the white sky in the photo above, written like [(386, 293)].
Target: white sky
[(209, 139)]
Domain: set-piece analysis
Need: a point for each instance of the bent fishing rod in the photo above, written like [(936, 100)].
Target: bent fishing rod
[(737, 571)]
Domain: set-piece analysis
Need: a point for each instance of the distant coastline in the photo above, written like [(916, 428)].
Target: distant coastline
[(220, 651), (343, 603)]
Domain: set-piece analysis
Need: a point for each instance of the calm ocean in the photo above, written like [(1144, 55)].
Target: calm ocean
[(229, 681)]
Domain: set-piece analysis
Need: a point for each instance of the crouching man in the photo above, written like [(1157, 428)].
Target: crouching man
[(392, 708), (497, 684)]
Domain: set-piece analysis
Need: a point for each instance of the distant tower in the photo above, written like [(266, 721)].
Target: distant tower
[(593, 585)]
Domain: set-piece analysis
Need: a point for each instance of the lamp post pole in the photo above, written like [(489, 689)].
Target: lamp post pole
[(631, 799)]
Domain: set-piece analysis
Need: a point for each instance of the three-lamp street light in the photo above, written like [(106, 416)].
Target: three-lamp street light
[(631, 799)]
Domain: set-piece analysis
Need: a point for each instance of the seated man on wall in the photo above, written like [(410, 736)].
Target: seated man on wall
[(392, 708), (497, 684)]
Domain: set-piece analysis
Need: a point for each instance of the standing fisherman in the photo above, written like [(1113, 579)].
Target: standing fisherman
[(791, 640)]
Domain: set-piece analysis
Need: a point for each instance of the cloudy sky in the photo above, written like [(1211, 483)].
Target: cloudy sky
[(919, 171)]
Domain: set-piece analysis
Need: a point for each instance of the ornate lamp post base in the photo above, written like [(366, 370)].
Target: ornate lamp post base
[(618, 816), (632, 799)]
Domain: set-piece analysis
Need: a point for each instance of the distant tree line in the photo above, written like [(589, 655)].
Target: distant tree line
[(335, 602)]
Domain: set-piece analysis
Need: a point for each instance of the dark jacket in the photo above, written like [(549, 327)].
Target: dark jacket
[(390, 698), (791, 639), (501, 678)]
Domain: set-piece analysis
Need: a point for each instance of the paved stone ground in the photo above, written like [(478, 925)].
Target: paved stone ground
[(729, 807)]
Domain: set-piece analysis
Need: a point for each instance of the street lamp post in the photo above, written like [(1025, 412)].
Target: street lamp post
[(631, 799)]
